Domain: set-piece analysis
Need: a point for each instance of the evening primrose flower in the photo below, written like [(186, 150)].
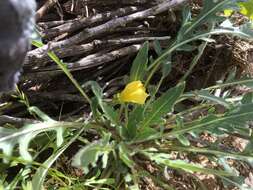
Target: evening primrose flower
[(245, 8), (134, 92), (228, 12)]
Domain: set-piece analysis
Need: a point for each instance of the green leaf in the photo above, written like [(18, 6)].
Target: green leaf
[(139, 66), (94, 108), (186, 21), (89, 155), (237, 116), (163, 159), (231, 75), (223, 162), (162, 106), (108, 111), (247, 98), (135, 117), (166, 62), (10, 137), (96, 89), (166, 66), (180, 164), (39, 113), (146, 134), (93, 183), (158, 48), (195, 60), (218, 153), (40, 175), (134, 187), (183, 140), (205, 95), (124, 155), (244, 81), (243, 31), (208, 15), (247, 28)]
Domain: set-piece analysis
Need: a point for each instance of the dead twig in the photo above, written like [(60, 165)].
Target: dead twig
[(89, 47), (75, 25), (44, 9), (108, 26)]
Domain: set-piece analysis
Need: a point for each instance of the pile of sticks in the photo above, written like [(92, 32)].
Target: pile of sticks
[(96, 40), (98, 33)]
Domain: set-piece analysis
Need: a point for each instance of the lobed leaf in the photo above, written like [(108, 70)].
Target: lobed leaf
[(162, 106), (89, 155), (240, 115)]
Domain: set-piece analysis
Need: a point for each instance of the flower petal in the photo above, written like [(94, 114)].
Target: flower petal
[(134, 92)]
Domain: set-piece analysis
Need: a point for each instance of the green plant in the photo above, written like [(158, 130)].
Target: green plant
[(244, 7), (130, 131)]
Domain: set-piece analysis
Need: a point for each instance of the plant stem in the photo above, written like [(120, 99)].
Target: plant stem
[(64, 69), (126, 114), (120, 112)]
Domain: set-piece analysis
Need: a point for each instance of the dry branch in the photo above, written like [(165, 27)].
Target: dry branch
[(75, 25), (108, 26), (96, 59), (89, 47), (44, 9)]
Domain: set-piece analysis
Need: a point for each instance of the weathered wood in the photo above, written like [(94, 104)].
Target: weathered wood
[(108, 26)]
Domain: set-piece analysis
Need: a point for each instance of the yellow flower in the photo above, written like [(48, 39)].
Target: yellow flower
[(228, 12), (246, 8), (134, 92)]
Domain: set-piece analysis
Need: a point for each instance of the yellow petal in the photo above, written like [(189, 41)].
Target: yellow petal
[(134, 92), (228, 12), (247, 8)]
